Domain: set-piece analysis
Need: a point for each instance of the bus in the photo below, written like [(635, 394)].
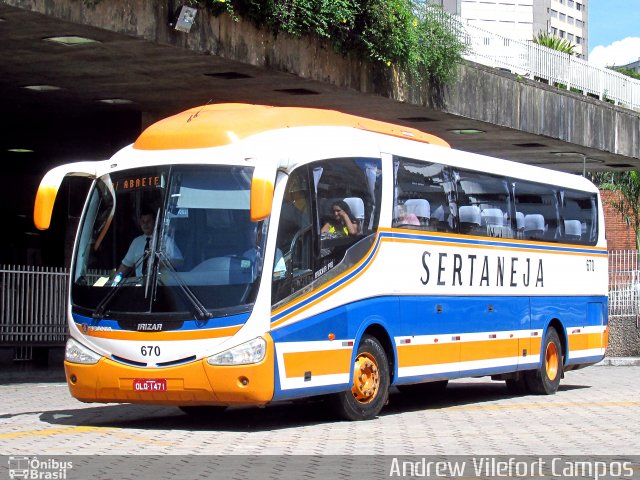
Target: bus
[(299, 252)]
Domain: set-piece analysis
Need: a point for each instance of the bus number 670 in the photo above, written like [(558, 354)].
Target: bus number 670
[(150, 350)]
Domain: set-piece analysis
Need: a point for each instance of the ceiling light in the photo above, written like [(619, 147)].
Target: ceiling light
[(229, 75), (296, 91), (417, 119), (42, 88), (71, 40), (116, 101), (467, 131), (19, 150), (568, 154), (529, 145)]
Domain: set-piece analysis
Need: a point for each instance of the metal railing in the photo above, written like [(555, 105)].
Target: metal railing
[(624, 284), (32, 305), (537, 62)]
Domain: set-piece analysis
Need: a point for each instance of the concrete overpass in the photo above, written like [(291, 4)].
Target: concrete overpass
[(138, 69)]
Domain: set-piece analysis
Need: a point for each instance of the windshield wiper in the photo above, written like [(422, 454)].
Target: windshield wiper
[(104, 303), (201, 311)]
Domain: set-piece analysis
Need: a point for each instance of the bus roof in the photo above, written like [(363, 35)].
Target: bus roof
[(226, 123)]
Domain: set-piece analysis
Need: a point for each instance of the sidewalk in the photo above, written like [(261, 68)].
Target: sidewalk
[(620, 362)]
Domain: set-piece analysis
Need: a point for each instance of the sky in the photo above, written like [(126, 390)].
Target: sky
[(614, 32)]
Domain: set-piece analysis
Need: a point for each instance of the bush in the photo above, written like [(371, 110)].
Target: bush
[(419, 40)]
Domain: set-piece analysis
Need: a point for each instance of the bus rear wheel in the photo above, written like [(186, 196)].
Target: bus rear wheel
[(546, 379), (370, 389)]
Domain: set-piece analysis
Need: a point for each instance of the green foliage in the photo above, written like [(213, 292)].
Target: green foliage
[(555, 43), (420, 40), (627, 202), (627, 71)]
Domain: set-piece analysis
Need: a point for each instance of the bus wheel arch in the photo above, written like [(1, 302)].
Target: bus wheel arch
[(371, 378), (546, 378)]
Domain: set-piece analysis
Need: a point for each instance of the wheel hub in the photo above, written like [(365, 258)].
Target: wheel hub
[(366, 378)]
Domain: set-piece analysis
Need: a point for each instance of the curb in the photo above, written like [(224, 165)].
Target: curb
[(619, 362)]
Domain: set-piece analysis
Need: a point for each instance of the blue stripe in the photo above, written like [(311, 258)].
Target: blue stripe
[(322, 291), (493, 243), (189, 324)]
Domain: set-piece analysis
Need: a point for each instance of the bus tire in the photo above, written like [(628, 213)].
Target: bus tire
[(370, 389), (517, 386), (546, 379)]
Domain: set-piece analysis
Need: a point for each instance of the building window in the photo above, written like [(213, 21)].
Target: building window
[(554, 13), (570, 37), (563, 17), (570, 3), (554, 31), (570, 20), (579, 23), (579, 7), (562, 33), (578, 40)]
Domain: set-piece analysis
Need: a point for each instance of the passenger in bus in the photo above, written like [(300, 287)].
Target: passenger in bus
[(343, 222), (136, 258), (405, 218)]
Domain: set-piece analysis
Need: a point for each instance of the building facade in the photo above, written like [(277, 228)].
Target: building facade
[(523, 19)]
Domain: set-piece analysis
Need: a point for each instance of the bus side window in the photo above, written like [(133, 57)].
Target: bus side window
[(422, 197), (537, 206), (579, 217), (484, 205)]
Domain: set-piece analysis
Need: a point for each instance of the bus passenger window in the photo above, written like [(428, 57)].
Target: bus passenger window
[(422, 197), (538, 207), (579, 217), (484, 205)]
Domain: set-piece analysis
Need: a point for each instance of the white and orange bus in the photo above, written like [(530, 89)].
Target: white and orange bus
[(298, 252)]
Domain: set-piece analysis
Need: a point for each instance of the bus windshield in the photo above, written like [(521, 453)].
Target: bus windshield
[(171, 241)]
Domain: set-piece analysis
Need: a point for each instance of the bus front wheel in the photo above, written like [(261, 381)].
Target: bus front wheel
[(546, 379), (370, 388)]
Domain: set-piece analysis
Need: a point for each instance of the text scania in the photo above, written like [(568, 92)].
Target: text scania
[(473, 270)]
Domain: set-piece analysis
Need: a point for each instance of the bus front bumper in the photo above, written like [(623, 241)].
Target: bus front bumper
[(195, 383)]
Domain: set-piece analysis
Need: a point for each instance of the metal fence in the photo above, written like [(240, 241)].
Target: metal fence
[(32, 306), (541, 63), (624, 284)]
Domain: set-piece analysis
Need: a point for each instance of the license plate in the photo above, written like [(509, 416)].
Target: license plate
[(150, 384)]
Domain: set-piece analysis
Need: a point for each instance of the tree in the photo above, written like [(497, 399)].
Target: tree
[(555, 43), (627, 203)]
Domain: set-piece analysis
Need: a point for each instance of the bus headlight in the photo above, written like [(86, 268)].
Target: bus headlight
[(252, 351), (77, 353)]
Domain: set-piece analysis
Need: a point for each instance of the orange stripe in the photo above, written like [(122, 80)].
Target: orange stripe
[(163, 336), (418, 355), (585, 341), (497, 239), (489, 349), (324, 362), (494, 247)]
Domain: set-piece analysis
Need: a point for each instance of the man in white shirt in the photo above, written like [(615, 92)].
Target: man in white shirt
[(141, 244)]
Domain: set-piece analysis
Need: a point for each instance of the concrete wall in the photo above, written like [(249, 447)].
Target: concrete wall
[(624, 337), (480, 93)]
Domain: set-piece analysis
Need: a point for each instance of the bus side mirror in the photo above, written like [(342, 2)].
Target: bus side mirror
[(261, 198), (48, 190)]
